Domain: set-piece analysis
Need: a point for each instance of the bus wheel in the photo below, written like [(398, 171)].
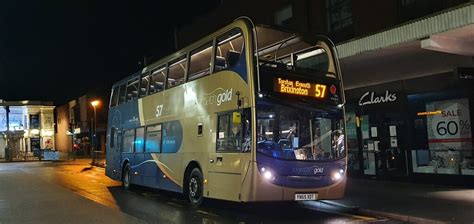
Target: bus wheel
[(194, 188), (126, 177)]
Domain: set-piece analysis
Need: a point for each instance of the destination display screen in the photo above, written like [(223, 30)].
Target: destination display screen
[(300, 88)]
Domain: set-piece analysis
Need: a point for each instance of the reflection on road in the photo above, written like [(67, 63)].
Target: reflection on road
[(155, 206)]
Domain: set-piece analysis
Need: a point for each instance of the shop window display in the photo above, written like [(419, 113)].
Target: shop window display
[(443, 137)]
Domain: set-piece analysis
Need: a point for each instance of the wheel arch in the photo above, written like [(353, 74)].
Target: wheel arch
[(191, 165), (124, 163)]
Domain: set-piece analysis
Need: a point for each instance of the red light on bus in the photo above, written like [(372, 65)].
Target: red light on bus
[(333, 89)]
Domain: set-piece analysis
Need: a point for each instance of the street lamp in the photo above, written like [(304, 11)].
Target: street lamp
[(94, 104)]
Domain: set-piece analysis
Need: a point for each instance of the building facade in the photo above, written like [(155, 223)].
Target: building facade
[(25, 127), (75, 127), (408, 71)]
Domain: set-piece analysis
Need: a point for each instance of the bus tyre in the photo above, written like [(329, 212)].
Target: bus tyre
[(194, 188), (126, 177)]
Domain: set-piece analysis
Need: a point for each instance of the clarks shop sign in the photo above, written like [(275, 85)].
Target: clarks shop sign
[(370, 97)]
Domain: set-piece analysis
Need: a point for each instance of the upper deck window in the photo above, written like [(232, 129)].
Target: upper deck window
[(315, 60), (176, 71), (114, 98), (157, 80), (132, 89), (122, 94), (229, 48), (200, 61), (282, 50), (144, 83)]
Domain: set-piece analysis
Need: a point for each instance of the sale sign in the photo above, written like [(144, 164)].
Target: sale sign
[(450, 127)]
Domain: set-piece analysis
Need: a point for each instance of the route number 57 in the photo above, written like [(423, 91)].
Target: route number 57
[(320, 90), (159, 110)]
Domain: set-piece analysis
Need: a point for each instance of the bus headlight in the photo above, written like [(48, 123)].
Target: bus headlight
[(336, 176), (267, 174)]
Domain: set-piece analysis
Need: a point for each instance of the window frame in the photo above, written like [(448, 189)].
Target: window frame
[(123, 87), (198, 50), (184, 57), (140, 84), (133, 140), (129, 83), (160, 149), (115, 92), (229, 113), (225, 41), (165, 69)]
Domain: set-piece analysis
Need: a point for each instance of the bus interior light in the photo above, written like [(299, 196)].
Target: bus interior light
[(310, 54)]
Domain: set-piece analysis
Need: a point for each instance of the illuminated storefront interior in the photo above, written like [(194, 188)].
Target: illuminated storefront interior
[(30, 128)]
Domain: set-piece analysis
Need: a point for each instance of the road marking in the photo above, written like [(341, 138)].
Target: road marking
[(171, 203), (150, 194), (207, 213)]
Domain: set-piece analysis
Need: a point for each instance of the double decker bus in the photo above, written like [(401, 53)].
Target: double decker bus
[(248, 113)]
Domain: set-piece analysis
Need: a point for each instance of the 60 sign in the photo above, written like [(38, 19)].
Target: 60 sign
[(450, 127)]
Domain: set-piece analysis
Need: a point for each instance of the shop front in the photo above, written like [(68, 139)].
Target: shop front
[(414, 129), (377, 145), (409, 100), (26, 129)]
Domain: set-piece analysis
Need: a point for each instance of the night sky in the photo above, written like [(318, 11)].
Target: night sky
[(57, 50)]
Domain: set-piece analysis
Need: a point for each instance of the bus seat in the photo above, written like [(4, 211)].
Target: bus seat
[(233, 57), (199, 74), (220, 64)]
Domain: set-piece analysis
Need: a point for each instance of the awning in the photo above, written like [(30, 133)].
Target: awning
[(425, 27), (431, 45)]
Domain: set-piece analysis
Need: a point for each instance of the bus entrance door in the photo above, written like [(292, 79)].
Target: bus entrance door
[(227, 163)]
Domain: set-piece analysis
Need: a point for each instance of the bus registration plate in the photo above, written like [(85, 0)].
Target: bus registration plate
[(306, 196)]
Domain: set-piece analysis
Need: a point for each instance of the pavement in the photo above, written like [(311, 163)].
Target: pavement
[(414, 203)]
